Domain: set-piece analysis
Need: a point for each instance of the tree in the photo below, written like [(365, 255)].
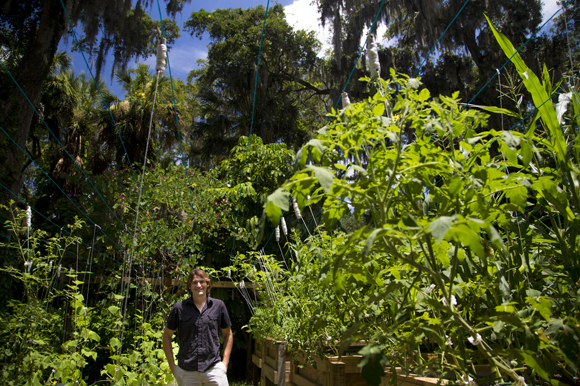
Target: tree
[(466, 56), (70, 107), (288, 99), (30, 34), (132, 118)]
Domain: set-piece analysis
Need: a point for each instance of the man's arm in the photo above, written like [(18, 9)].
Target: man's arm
[(168, 349), (228, 343)]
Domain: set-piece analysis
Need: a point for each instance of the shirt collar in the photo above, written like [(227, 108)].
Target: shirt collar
[(208, 302)]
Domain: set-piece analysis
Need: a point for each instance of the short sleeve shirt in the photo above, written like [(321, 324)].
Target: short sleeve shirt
[(198, 332)]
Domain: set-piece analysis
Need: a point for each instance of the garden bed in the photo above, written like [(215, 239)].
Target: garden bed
[(334, 370), (270, 360), (269, 357)]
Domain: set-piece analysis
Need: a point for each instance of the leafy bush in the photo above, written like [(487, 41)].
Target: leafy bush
[(472, 250)]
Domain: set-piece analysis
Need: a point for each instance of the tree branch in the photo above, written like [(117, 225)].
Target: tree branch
[(307, 85)]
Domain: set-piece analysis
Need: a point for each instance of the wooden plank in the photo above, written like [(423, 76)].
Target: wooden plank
[(287, 373), (257, 360), (336, 375), (231, 284), (270, 361), (299, 380), (281, 359), (270, 373), (350, 361), (156, 282), (316, 376), (258, 348), (355, 379), (321, 365), (416, 380), (419, 381)]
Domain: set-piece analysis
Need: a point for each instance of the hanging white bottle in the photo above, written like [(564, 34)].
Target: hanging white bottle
[(373, 55), (161, 55), (345, 100)]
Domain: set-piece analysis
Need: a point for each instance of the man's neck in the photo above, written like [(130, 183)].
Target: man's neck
[(199, 301)]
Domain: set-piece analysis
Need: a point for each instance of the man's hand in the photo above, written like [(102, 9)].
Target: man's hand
[(228, 343)]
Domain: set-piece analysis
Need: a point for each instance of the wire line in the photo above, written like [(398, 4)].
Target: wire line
[(61, 145), (106, 105), (359, 55), (440, 37), (54, 182), (515, 53), (61, 228), (251, 124), (177, 128)]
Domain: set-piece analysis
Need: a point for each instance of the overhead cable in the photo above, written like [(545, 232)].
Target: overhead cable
[(251, 124), (515, 53), (105, 104), (61, 145), (66, 195), (177, 122)]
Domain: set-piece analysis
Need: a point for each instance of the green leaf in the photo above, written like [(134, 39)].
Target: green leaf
[(370, 241), (526, 153), (114, 310), (467, 236), (324, 177), (114, 342), (424, 95), (280, 198), (317, 144), (372, 362), (94, 336), (541, 304), (497, 110), (539, 95), (530, 359), (275, 203), (495, 237), (518, 195), (439, 227), (379, 110), (507, 307), (347, 336)]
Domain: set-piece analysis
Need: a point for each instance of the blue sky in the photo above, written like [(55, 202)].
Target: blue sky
[(302, 14)]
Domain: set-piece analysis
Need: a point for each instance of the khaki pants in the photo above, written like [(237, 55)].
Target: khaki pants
[(214, 376)]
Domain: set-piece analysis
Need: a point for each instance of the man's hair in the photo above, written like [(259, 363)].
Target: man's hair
[(201, 273)]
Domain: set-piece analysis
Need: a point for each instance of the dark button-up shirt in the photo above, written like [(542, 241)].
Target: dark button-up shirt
[(198, 332)]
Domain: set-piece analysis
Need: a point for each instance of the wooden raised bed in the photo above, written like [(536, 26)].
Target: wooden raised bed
[(269, 359), (328, 371), (342, 371)]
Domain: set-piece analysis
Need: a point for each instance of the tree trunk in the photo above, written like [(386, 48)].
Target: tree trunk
[(17, 112)]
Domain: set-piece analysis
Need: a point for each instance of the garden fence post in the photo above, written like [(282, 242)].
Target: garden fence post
[(264, 354), (336, 374), (281, 363)]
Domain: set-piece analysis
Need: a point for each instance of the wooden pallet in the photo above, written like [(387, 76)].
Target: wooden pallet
[(269, 359)]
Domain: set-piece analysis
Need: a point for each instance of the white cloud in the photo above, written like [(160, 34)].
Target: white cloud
[(550, 7), (184, 59), (303, 14)]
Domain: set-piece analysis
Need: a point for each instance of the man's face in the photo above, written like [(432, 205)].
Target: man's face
[(198, 286)]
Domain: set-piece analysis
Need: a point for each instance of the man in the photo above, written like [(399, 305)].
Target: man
[(198, 321)]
